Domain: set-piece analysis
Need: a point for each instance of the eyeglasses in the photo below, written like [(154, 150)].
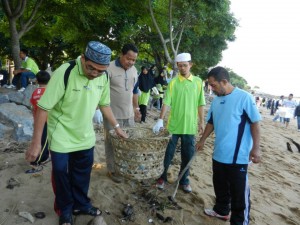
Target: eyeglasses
[(91, 69)]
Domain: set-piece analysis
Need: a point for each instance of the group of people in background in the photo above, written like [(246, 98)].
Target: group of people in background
[(283, 109), (151, 89)]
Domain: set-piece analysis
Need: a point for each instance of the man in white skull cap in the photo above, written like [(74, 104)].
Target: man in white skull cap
[(185, 97)]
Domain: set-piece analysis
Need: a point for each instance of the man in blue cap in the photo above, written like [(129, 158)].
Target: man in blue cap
[(70, 105)]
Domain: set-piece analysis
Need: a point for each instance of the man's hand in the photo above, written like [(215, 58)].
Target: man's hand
[(121, 133), (255, 155), (137, 115), (158, 126), (33, 152), (200, 145)]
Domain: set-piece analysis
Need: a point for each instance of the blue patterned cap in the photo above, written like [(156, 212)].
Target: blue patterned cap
[(98, 53)]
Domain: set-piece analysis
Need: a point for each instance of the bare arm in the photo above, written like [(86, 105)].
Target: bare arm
[(209, 128), (35, 147), (136, 109), (255, 152), (163, 111), (201, 119), (108, 114), (135, 101)]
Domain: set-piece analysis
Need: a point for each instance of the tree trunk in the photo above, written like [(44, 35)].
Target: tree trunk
[(15, 43)]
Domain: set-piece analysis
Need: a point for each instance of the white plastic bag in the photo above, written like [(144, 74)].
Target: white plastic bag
[(155, 91)]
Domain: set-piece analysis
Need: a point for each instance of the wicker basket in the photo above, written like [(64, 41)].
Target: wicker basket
[(141, 155)]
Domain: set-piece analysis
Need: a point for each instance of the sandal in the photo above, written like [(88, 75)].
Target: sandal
[(66, 220), (93, 211), (35, 169)]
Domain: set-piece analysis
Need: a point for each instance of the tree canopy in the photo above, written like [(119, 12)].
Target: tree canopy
[(59, 30)]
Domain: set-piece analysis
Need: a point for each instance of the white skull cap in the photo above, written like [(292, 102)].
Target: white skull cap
[(183, 57)]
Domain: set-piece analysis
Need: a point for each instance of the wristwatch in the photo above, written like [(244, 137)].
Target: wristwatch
[(116, 126)]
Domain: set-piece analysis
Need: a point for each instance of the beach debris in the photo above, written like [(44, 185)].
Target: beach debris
[(107, 212), (160, 217), (164, 219), (174, 203), (289, 147), (296, 144), (40, 215), (12, 182), (128, 212), (150, 220), (98, 220), (27, 216)]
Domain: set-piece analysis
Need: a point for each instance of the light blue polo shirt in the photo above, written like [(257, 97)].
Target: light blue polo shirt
[(231, 116)]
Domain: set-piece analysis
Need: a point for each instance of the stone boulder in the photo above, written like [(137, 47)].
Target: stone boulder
[(19, 118), (22, 98)]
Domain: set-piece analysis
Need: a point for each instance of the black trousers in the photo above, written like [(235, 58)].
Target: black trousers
[(143, 111), (232, 191), (5, 77), (45, 152)]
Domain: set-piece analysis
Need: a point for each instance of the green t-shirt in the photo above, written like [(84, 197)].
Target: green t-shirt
[(30, 64), (184, 96), (70, 112)]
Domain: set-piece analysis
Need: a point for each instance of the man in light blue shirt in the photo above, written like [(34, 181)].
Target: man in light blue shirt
[(234, 118)]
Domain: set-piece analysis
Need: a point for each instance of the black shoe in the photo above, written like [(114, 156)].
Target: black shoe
[(66, 220), (93, 211)]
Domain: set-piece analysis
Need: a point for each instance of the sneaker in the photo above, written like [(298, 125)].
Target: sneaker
[(114, 177), (21, 90), (211, 212), (187, 188), (160, 184), (11, 86)]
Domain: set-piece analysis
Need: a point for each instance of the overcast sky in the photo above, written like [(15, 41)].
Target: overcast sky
[(266, 51)]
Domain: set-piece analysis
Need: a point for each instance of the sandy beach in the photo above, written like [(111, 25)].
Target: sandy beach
[(275, 185)]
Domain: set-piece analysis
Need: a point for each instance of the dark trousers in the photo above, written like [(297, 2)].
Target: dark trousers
[(16, 80), (71, 174), (45, 152), (232, 192), (187, 152), (5, 77), (23, 77), (143, 111)]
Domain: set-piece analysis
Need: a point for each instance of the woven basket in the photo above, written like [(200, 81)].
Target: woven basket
[(141, 155)]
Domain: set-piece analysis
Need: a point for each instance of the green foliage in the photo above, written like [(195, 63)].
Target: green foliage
[(67, 25), (237, 80)]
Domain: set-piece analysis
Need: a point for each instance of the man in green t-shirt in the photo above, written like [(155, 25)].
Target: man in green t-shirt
[(70, 107), (185, 97), (28, 71)]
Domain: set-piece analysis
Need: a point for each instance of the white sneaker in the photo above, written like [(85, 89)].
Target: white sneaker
[(211, 212), (21, 90), (11, 86), (187, 188)]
